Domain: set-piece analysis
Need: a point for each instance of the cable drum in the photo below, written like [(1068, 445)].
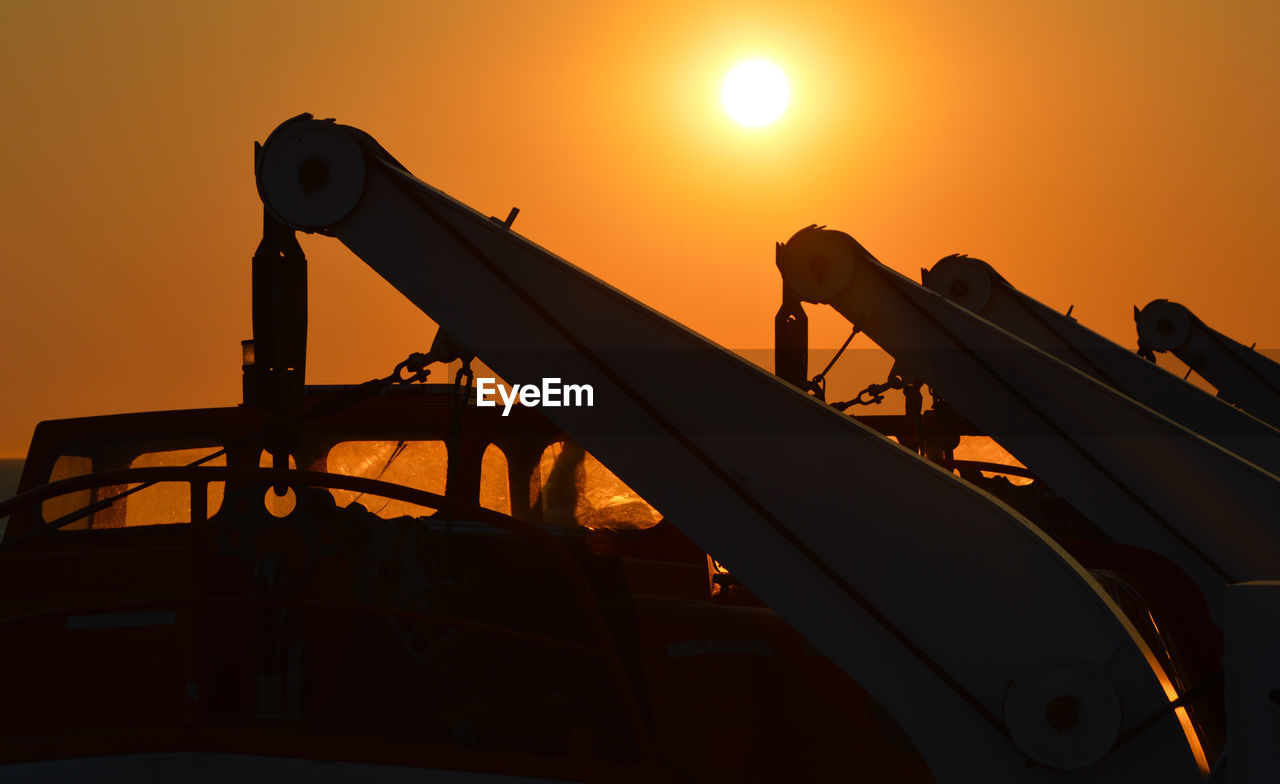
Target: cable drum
[(963, 280), (311, 174), (1063, 713), (1163, 325), (817, 264)]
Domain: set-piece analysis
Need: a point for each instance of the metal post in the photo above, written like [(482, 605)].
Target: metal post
[(193, 712)]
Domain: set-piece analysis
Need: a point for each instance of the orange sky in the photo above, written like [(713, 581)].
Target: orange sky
[(1098, 153)]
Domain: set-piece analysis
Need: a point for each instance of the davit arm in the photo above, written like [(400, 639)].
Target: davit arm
[(1143, 478), (975, 285), (966, 622), (1241, 375)]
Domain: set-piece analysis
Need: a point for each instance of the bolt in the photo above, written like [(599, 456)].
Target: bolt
[(818, 265), (313, 174), (1063, 712)]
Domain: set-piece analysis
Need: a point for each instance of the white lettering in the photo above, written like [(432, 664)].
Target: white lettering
[(484, 388), (508, 399), (574, 394), (550, 392)]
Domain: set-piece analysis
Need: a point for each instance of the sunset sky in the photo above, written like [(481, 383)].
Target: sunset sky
[(1098, 153)]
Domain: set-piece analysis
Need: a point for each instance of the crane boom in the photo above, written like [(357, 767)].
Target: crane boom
[(1143, 478), (964, 620), (975, 285), (1240, 374)]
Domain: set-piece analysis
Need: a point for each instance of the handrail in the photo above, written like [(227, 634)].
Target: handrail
[(198, 478), (232, 600)]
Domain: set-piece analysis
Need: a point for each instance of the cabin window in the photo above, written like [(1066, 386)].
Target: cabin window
[(422, 465), (166, 503), (66, 467), (570, 487), (162, 503), (495, 480)]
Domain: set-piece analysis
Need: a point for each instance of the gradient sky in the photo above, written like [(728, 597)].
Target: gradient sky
[(1098, 153)]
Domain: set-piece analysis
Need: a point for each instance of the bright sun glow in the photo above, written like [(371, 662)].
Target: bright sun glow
[(755, 92)]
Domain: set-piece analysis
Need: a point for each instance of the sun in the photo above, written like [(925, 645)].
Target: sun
[(755, 92)]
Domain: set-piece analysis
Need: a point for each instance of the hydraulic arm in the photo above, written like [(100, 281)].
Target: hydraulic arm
[(1241, 375), (1140, 476), (975, 285), (988, 644)]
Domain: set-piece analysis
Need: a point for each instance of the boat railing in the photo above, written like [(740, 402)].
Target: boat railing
[(199, 600)]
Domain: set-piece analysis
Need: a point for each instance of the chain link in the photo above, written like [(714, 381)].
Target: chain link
[(873, 394), (415, 365)]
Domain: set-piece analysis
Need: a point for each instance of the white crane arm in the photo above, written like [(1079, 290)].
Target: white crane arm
[(1240, 374), (975, 285), (966, 622), (1141, 477)]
